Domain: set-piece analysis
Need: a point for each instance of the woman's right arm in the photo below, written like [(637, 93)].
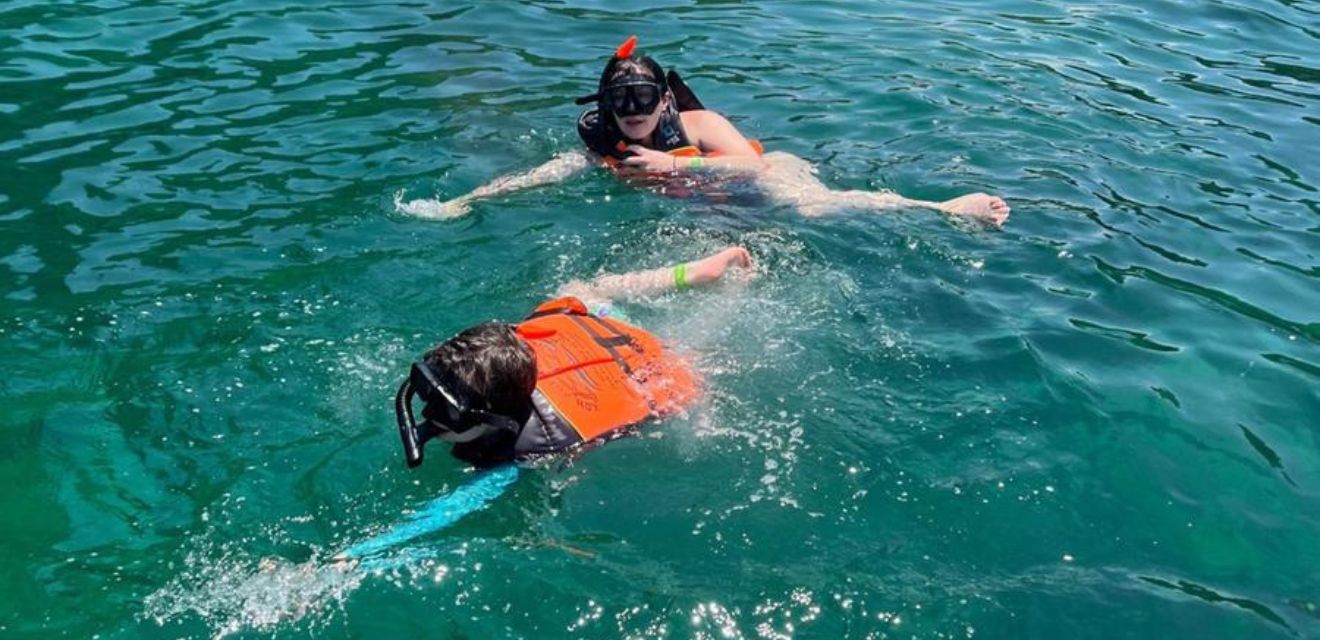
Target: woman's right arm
[(559, 168), (727, 149)]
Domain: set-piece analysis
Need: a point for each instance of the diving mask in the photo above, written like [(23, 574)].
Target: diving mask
[(449, 414), (633, 96)]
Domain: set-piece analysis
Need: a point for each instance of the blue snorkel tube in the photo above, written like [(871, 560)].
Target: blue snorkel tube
[(439, 514), (452, 418)]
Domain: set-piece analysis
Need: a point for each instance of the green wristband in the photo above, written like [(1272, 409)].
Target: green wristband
[(680, 276), (696, 163)]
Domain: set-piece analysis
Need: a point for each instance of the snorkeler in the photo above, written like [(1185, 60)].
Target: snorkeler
[(647, 123), (566, 376)]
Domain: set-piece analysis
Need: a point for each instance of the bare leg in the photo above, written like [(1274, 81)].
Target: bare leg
[(792, 180)]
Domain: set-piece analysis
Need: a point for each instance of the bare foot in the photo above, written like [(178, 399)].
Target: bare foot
[(712, 268), (989, 208)]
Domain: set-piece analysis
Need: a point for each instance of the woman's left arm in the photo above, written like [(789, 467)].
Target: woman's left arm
[(714, 134)]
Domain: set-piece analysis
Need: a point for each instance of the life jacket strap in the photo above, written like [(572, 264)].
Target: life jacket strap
[(566, 305), (609, 343), (497, 423)]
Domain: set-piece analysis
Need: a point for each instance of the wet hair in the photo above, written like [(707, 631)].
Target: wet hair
[(633, 65), (494, 363)]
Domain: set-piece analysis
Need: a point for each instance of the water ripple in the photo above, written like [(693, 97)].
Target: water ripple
[(208, 292)]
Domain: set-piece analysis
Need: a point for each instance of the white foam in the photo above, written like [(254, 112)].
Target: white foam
[(430, 207), (234, 594)]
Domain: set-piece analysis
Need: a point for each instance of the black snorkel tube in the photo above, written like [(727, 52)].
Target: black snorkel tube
[(412, 437), (449, 413)]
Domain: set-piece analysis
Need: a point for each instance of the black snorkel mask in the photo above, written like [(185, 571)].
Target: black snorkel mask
[(449, 414), (634, 94)]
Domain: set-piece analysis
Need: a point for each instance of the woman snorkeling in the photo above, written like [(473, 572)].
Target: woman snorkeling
[(647, 124)]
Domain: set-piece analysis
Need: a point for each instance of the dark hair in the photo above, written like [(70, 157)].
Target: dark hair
[(633, 65), (494, 363)]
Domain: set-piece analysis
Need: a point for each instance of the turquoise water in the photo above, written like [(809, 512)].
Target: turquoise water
[(1099, 422)]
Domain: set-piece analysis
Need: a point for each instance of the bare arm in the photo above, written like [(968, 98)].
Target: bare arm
[(648, 160), (559, 168), (713, 134), (639, 283)]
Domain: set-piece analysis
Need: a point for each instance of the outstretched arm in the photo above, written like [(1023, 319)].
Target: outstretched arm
[(559, 168), (638, 283)]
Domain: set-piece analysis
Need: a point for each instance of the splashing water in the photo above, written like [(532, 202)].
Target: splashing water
[(235, 594), (238, 593)]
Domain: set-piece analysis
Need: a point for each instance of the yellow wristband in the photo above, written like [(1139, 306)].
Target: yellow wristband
[(696, 162), (680, 276)]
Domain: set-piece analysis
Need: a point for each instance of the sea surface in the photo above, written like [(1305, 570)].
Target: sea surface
[(1102, 421)]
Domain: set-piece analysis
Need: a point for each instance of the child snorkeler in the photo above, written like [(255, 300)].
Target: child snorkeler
[(565, 376), (649, 123)]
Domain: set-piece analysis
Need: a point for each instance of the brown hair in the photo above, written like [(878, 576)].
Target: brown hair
[(494, 363)]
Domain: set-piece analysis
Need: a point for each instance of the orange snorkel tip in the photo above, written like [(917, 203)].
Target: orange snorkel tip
[(626, 49)]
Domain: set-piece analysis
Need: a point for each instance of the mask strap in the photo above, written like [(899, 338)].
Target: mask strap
[(414, 438), (490, 424)]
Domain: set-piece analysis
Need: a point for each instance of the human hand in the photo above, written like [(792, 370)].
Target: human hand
[(455, 208), (985, 207), (649, 160), (435, 209), (713, 267)]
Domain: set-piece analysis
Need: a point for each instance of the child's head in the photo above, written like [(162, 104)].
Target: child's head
[(483, 376), (495, 364)]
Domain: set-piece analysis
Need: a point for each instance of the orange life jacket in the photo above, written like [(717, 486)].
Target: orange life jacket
[(596, 376), (688, 151)]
